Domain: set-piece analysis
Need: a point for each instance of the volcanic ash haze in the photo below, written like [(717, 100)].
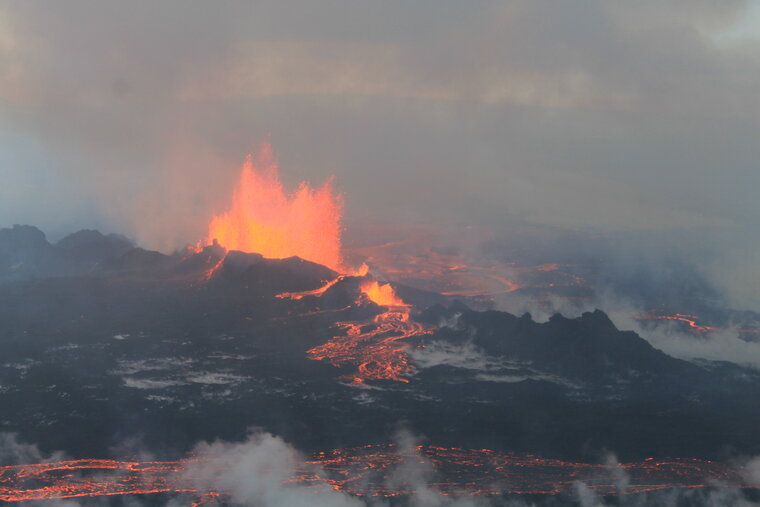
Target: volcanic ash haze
[(264, 219)]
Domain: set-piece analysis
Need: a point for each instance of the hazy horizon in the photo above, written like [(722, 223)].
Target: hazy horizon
[(588, 115)]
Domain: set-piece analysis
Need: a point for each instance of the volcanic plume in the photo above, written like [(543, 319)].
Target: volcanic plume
[(265, 219)]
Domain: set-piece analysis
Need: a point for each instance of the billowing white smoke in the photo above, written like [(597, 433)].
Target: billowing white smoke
[(410, 476), (13, 452), (259, 472), (668, 336), (262, 472), (721, 345)]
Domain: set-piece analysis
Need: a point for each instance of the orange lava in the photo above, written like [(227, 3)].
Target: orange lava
[(210, 272), (691, 320), (376, 348), (449, 261), (265, 219), (62, 480), (365, 471), (381, 294), (421, 265), (315, 292), (362, 271)]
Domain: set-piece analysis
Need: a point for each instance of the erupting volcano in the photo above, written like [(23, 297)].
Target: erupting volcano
[(265, 219), (296, 254)]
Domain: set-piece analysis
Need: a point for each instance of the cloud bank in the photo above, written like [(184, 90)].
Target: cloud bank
[(134, 116)]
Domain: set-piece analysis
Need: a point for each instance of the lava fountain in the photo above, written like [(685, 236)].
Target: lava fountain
[(265, 219), (381, 294)]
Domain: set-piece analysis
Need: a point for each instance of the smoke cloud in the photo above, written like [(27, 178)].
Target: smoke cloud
[(14, 452), (257, 472), (134, 117)]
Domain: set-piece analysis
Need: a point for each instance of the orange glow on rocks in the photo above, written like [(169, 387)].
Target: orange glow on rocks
[(265, 219)]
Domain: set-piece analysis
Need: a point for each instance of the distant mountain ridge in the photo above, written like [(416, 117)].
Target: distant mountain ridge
[(26, 253)]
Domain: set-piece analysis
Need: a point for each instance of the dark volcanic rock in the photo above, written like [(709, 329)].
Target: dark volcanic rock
[(92, 246), (22, 239), (587, 348), (25, 252), (173, 349), (272, 275)]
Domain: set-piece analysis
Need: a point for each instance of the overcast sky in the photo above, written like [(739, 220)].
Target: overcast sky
[(135, 116)]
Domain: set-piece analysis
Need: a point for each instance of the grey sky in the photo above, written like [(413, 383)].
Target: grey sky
[(135, 116)]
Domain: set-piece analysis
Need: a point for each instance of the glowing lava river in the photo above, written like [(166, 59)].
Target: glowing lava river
[(377, 348), (690, 320), (365, 471)]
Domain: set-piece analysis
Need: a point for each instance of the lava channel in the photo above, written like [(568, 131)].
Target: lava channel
[(368, 471), (691, 320), (377, 347)]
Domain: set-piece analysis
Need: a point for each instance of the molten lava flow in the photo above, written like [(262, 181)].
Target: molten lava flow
[(376, 348), (62, 480), (436, 260), (315, 292), (264, 219), (691, 320), (365, 471), (426, 267), (362, 271)]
